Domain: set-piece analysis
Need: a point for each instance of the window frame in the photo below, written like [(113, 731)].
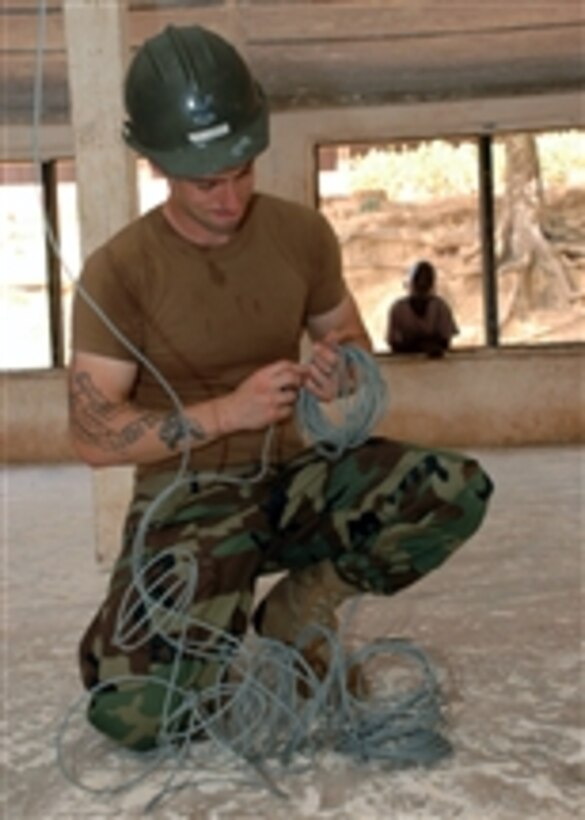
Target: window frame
[(48, 181), (486, 215)]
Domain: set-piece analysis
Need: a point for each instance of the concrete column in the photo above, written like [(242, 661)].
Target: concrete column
[(97, 56)]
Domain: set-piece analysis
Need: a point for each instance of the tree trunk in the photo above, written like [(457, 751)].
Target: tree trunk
[(541, 280)]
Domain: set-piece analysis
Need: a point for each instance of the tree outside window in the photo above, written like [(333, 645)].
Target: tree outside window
[(540, 239)]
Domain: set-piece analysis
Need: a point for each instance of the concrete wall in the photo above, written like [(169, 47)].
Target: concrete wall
[(34, 418), (481, 397), (470, 398), (288, 167), (488, 397)]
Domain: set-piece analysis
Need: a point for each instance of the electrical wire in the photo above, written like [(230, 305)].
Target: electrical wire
[(255, 715)]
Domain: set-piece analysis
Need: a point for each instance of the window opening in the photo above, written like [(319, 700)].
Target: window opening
[(152, 186), (540, 236), (487, 218), (392, 204), (501, 218), (24, 306), (69, 245)]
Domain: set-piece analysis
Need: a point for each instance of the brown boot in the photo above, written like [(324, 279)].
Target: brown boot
[(303, 598)]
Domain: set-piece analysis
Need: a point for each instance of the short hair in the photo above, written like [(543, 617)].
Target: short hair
[(422, 277)]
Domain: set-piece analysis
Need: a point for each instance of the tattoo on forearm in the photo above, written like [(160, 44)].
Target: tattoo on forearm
[(94, 417), (94, 420), (176, 428)]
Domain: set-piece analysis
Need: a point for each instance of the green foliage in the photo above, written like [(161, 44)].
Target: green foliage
[(439, 169), (562, 159)]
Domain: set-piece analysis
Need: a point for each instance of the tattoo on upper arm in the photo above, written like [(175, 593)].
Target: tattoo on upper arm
[(176, 428), (93, 417)]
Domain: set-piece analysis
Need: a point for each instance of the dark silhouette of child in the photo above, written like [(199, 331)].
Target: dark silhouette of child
[(421, 322)]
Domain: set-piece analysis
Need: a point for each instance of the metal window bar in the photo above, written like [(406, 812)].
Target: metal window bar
[(487, 238), (49, 184)]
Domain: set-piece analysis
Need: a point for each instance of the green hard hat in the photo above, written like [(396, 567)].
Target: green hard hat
[(193, 106)]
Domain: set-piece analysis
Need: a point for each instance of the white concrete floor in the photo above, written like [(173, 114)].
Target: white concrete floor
[(503, 619)]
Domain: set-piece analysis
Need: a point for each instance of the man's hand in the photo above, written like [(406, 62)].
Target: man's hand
[(323, 377), (266, 397), (343, 325)]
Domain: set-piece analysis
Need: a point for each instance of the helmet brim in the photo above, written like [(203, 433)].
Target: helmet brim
[(207, 157)]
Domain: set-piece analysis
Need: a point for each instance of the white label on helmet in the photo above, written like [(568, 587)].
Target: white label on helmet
[(208, 134)]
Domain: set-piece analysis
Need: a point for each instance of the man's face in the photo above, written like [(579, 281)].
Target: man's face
[(211, 208)]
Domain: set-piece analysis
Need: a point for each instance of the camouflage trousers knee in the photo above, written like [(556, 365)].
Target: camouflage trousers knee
[(385, 514)]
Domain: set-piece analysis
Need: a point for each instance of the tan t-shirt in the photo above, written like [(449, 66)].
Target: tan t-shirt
[(207, 318)]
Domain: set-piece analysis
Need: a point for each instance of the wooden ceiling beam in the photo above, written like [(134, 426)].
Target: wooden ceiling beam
[(307, 23)]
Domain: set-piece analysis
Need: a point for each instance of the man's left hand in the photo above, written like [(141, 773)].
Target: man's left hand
[(323, 377)]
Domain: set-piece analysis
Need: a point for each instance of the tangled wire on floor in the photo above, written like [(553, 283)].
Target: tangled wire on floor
[(268, 712)]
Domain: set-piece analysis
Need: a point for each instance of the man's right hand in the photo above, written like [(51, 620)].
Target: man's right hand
[(266, 397)]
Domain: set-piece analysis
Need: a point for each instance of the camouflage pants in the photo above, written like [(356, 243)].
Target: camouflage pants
[(385, 514)]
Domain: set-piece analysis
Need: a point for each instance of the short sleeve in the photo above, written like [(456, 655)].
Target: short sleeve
[(327, 286), (106, 309)]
